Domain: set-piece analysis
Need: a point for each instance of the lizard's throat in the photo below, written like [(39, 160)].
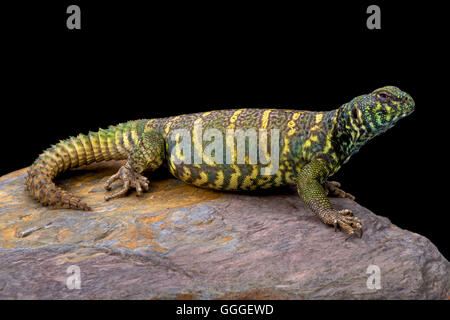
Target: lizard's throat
[(348, 135)]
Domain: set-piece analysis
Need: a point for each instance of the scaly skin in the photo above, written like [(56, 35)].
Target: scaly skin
[(313, 146)]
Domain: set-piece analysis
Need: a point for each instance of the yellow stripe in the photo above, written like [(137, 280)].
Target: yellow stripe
[(103, 140), (279, 178), (319, 117), (172, 168), (296, 115), (389, 113), (265, 118), (87, 148), (187, 174), (234, 118), (149, 124), (234, 178), (57, 160), (166, 129), (264, 180), (248, 181), (291, 124), (112, 146), (286, 145), (80, 150), (289, 178), (62, 152), (202, 180), (291, 132), (378, 107), (126, 143), (134, 134), (72, 153), (119, 144), (169, 124), (219, 180)]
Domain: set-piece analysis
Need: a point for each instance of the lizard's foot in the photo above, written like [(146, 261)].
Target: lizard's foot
[(332, 188), (345, 220), (130, 179)]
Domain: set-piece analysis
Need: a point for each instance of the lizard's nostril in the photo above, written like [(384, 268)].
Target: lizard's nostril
[(409, 100)]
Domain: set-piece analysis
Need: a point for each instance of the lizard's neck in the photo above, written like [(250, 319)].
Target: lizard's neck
[(347, 133)]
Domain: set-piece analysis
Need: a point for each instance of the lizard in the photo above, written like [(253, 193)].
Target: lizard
[(312, 147)]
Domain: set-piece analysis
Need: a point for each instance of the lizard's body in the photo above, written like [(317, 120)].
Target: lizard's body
[(246, 176), (312, 146)]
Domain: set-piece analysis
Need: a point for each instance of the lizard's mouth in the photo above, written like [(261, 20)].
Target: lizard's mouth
[(408, 111), (410, 106)]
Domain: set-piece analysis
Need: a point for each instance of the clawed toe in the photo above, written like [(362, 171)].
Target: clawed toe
[(347, 222), (130, 179), (332, 188)]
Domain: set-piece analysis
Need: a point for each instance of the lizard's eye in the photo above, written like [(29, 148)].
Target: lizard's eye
[(383, 96)]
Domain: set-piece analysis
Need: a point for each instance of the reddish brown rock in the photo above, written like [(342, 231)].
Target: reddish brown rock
[(181, 242)]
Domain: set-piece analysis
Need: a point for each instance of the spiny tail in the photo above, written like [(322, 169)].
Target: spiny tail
[(113, 143)]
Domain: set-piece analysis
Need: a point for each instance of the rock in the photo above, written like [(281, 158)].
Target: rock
[(181, 242)]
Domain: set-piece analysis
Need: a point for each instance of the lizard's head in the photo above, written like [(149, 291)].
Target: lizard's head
[(380, 110)]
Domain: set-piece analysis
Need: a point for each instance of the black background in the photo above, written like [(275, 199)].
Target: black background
[(133, 61)]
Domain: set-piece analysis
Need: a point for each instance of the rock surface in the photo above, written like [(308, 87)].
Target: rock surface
[(181, 242)]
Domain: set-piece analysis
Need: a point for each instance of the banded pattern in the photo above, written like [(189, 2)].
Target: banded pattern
[(113, 143), (293, 125)]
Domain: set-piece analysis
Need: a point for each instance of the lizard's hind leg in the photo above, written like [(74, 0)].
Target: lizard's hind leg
[(147, 153), (130, 179), (332, 189)]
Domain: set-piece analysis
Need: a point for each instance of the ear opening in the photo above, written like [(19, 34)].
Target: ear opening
[(357, 114)]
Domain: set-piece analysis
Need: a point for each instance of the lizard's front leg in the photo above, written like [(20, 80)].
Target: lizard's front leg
[(310, 189), (148, 153)]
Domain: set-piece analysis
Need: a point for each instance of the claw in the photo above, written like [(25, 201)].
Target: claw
[(111, 179), (343, 219), (346, 212), (333, 188), (130, 179)]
